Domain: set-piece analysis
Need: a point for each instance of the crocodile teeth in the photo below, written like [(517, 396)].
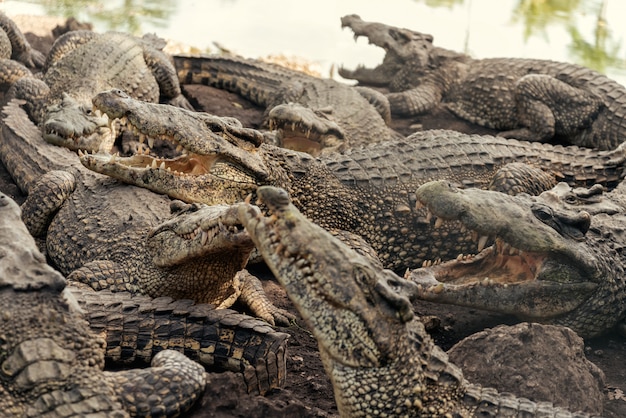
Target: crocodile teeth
[(179, 148), (482, 241), (429, 216), (162, 166), (438, 222), (419, 205), (142, 138), (204, 237), (151, 142), (154, 164)]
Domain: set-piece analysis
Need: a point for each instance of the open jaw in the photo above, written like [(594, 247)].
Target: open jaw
[(400, 45), (208, 168), (200, 231), (531, 270), (303, 129), (322, 275)]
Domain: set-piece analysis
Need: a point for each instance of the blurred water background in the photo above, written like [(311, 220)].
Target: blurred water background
[(587, 32)]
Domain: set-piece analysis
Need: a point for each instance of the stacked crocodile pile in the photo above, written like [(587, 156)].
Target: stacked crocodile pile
[(151, 279)]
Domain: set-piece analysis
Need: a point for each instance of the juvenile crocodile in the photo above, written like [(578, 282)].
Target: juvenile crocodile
[(377, 354), (81, 64), (13, 45), (119, 237), (52, 364), (551, 262), (529, 99), (310, 114), (369, 191)]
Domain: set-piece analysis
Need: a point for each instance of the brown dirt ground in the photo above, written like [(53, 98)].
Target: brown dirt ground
[(308, 392)]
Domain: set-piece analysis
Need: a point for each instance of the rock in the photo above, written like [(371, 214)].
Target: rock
[(539, 362)]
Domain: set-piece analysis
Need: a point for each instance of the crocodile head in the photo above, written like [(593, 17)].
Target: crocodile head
[(541, 266), (369, 342), (218, 161), (198, 254), (400, 45), (304, 129), (74, 124), (308, 261), (198, 230)]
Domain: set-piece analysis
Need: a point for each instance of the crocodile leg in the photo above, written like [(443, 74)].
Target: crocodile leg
[(417, 100), (103, 274), (45, 199), (31, 90), (540, 99), (172, 384), (516, 178), (253, 296), (166, 77), (21, 49), (68, 42), (378, 100)]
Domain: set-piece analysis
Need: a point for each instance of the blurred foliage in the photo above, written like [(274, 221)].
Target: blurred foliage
[(124, 15)]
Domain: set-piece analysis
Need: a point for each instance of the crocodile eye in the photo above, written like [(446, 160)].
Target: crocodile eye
[(543, 213), (571, 199)]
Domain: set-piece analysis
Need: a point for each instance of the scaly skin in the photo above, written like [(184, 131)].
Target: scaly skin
[(52, 364), (81, 64), (136, 328), (112, 236), (369, 191), (13, 45), (378, 356), (309, 113), (529, 99), (547, 264)]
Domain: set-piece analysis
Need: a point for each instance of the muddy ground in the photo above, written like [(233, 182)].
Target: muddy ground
[(308, 391)]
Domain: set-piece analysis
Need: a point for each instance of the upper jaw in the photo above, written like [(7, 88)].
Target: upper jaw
[(197, 231), (304, 129), (76, 126), (529, 260), (210, 149)]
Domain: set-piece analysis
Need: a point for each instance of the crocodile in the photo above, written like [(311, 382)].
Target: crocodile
[(308, 113), (15, 46), (110, 235), (368, 191), (52, 363), (79, 65), (529, 99), (552, 261), (136, 328), (380, 360)]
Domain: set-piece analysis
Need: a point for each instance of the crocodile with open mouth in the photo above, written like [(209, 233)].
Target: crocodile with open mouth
[(81, 64), (309, 114), (556, 257), (380, 360), (368, 191), (529, 99), (114, 236)]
